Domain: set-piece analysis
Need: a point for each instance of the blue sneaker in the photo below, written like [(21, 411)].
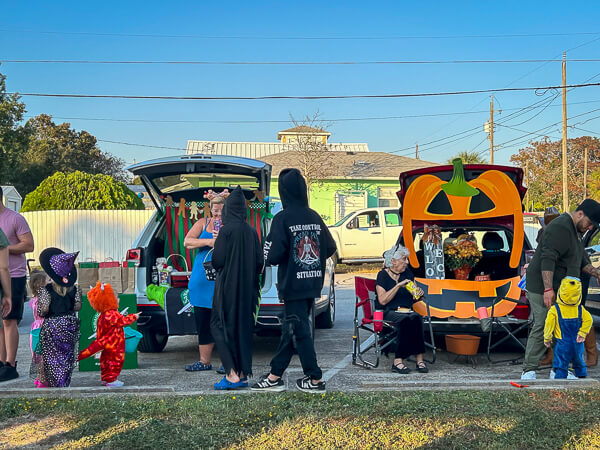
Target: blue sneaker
[(225, 385), (198, 366), (221, 370)]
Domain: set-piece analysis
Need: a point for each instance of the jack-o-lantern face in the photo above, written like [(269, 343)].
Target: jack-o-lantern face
[(492, 194), (462, 299)]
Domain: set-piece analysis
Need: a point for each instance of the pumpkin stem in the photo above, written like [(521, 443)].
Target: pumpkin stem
[(458, 186)]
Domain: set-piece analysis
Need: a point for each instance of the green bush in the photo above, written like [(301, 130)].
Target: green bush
[(80, 190)]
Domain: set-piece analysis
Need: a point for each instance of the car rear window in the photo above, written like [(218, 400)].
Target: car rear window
[(478, 234), (185, 181)]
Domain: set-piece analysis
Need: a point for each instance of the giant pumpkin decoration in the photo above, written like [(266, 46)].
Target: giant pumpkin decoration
[(492, 194)]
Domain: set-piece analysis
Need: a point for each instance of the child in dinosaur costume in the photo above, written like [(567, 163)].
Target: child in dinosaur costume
[(110, 337), (569, 323)]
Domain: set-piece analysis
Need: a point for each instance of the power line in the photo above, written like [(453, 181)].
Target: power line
[(343, 119), (298, 97), (140, 145), (587, 131), (286, 63), (518, 113), (300, 38), (550, 126)]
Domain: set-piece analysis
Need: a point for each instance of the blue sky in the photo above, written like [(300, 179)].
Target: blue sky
[(21, 38)]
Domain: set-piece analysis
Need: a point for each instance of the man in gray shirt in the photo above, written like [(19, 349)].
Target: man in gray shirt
[(559, 254)]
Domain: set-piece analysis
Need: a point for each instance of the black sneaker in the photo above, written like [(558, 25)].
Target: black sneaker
[(305, 384), (8, 372), (267, 385)]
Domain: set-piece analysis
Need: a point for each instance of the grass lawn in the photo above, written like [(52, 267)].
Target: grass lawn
[(444, 420)]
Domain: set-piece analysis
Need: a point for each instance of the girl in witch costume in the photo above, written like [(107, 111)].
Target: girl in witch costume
[(55, 354), (110, 335)]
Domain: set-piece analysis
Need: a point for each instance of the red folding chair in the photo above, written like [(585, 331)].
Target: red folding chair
[(377, 340)]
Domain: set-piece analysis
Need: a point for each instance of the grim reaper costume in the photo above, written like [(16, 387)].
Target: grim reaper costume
[(238, 259)]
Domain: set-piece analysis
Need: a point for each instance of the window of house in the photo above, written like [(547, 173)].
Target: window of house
[(386, 197)]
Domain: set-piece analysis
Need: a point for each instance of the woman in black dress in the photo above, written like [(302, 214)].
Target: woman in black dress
[(396, 301)]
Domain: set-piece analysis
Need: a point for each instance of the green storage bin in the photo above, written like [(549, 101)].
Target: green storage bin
[(88, 318)]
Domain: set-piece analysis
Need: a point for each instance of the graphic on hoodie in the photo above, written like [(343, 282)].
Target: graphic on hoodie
[(306, 250)]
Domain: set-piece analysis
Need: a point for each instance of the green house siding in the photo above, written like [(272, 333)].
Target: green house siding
[(322, 194)]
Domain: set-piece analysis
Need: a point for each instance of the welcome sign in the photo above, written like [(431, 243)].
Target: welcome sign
[(433, 253)]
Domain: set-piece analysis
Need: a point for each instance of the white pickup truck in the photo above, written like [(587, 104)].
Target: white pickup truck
[(363, 235)]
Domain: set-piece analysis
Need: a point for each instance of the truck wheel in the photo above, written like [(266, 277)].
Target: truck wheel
[(327, 318), (152, 342)]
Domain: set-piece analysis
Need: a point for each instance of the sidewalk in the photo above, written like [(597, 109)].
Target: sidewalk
[(164, 374)]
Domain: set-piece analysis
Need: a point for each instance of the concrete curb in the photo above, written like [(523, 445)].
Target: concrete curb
[(416, 385), (585, 383)]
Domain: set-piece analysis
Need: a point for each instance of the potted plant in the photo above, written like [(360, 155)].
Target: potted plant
[(462, 256)]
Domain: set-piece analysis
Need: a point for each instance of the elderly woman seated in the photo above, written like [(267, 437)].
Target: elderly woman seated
[(396, 301)]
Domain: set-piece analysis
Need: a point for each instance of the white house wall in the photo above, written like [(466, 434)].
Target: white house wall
[(98, 235)]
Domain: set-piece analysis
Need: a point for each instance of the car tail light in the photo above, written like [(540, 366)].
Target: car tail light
[(134, 255)]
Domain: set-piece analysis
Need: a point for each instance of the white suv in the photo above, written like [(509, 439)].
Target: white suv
[(186, 179)]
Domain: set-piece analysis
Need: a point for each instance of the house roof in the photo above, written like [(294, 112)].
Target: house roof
[(352, 165), (304, 129), (258, 150), (10, 190)]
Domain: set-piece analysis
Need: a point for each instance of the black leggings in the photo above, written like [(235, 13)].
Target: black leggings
[(202, 316), (409, 332)]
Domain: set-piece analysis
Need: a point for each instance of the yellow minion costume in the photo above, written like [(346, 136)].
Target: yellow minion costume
[(566, 320)]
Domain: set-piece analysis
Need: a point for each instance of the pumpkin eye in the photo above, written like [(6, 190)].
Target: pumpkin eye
[(480, 203), (440, 204)]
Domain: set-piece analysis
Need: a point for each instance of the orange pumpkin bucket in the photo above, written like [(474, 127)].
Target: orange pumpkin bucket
[(462, 344)]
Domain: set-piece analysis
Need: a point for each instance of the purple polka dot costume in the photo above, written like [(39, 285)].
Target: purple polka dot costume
[(55, 355)]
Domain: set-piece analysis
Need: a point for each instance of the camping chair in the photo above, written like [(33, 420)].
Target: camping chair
[(497, 324), (377, 340)]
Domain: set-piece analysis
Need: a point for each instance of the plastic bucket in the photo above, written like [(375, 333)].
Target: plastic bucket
[(132, 339), (462, 344), (35, 338)]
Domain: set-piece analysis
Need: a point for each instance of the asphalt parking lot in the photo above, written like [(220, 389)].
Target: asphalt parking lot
[(160, 373)]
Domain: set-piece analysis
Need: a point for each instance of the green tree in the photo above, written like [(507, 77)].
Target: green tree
[(469, 158), (13, 137), (53, 148), (543, 159), (79, 190)]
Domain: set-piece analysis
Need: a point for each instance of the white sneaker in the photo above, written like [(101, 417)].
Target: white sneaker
[(570, 375), (530, 375), (115, 383)]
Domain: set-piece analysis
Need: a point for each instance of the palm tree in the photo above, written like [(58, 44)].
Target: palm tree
[(469, 158)]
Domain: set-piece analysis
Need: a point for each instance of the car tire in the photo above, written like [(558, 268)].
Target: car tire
[(327, 318), (152, 342)]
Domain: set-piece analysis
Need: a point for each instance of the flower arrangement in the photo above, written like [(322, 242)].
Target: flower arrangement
[(463, 253)]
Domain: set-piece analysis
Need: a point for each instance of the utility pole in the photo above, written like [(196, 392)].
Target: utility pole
[(492, 129), (527, 183), (564, 135), (585, 159), (416, 151)]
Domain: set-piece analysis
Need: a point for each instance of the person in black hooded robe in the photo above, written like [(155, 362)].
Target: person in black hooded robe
[(238, 259)]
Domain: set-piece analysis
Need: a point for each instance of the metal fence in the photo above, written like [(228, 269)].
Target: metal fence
[(98, 235)]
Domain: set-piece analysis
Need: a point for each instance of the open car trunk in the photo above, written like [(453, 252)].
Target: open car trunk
[(474, 199), (178, 185)]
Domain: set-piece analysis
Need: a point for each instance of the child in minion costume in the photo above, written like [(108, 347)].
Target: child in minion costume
[(569, 323)]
